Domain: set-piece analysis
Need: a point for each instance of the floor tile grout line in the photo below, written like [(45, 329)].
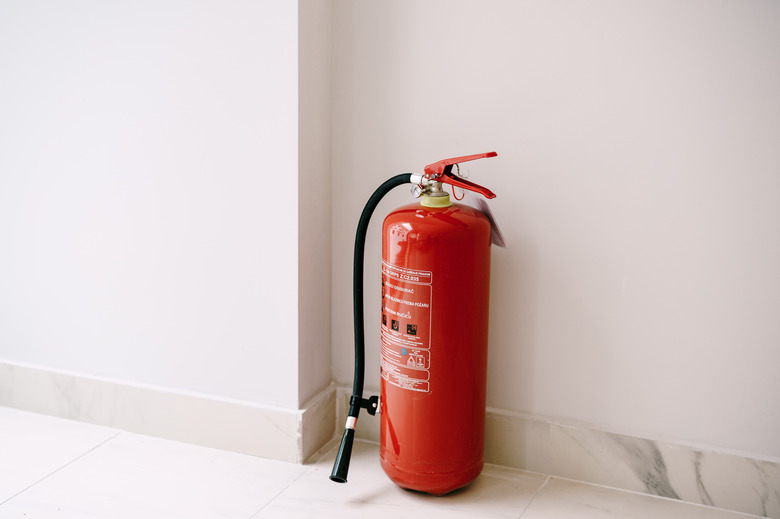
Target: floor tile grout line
[(324, 452), (282, 491), (318, 456), (638, 493), (538, 490), (61, 467)]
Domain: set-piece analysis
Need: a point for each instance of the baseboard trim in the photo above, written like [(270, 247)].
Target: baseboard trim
[(576, 451), (582, 452), (244, 427)]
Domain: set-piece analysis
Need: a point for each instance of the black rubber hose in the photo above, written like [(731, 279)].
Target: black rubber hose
[(341, 465)]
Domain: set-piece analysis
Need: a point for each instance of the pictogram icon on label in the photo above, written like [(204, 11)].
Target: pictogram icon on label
[(406, 327)]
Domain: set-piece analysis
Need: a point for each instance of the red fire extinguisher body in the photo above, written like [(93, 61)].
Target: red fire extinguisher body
[(435, 295)]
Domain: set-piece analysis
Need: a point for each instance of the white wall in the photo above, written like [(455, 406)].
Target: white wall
[(148, 180), (314, 197), (638, 184), (148, 153)]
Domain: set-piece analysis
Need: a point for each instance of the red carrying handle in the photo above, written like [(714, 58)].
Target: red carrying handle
[(442, 172)]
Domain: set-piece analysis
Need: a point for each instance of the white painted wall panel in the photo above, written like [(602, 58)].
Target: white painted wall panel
[(141, 147), (637, 184)]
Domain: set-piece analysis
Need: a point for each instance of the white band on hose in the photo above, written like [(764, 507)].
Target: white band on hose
[(351, 421)]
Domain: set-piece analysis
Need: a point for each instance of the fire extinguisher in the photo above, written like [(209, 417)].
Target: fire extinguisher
[(435, 291)]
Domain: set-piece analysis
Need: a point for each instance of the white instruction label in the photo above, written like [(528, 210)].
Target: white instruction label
[(406, 327)]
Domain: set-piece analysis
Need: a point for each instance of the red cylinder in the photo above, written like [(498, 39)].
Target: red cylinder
[(435, 294)]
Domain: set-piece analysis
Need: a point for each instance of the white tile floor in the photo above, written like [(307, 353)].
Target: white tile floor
[(58, 468)]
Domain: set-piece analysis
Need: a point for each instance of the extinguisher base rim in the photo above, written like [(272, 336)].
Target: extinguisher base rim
[(437, 484)]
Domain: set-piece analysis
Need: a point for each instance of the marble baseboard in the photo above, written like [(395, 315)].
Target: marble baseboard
[(574, 451), (584, 453), (244, 427), (676, 471)]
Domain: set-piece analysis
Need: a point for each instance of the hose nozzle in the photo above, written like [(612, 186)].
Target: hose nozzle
[(341, 465)]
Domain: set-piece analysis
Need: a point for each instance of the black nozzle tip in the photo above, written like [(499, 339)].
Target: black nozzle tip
[(341, 465)]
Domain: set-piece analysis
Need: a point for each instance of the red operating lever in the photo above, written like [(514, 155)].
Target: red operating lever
[(442, 172)]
